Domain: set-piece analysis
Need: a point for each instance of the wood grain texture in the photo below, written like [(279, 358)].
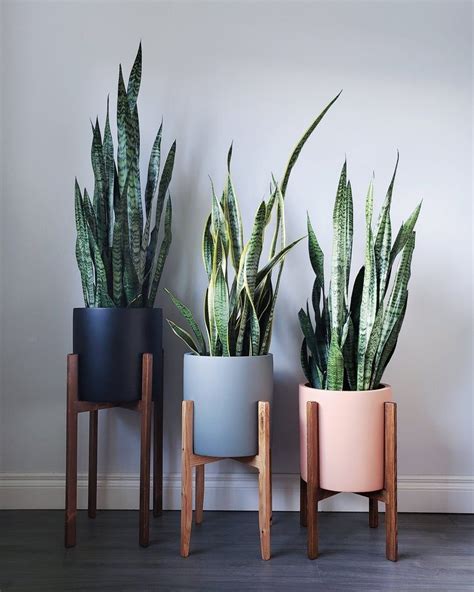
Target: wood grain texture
[(158, 448), (391, 523), (200, 476), (311, 493), (71, 451), (303, 503), (92, 478), (74, 407), (373, 513), (261, 462), (264, 478), (145, 443), (312, 415), (186, 476)]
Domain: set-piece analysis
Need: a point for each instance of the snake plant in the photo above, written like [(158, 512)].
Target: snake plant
[(117, 250), (352, 342), (239, 312)]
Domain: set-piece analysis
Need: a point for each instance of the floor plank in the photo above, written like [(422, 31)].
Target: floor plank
[(436, 554)]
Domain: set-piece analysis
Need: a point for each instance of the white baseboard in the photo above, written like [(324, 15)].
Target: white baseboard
[(231, 491)]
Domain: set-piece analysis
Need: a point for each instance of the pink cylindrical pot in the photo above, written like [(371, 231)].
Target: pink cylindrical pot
[(351, 437)]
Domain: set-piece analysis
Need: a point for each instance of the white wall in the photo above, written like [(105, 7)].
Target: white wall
[(255, 73)]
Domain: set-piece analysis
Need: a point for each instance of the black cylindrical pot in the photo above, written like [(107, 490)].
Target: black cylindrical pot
[(110, 343)]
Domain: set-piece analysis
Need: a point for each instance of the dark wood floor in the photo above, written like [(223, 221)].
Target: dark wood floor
[(436, 554)]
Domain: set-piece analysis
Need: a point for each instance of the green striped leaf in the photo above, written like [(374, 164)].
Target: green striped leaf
[(335, 375), (100, 192), (368, 307), (242, 332), (184, 336), (89, 214), (83, 256), (396, 302), (221, 310), (356, 299), (109, 169), (279, 231), (188, 315), (275, 260), (254, 251), (207, 248), (383, 240), (349, 219), (339, 257), (316, 255), (389, 347), (308, 332), (122, 112), (162, 254), (164, 184), (372, 347), (102, 298), (153, 172), (234, 222), (134, 80), (405, 233), (350, 356), (267, 335), (134, 201), (299, 146)]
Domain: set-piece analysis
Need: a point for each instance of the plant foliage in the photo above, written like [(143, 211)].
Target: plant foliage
[(352, 341), (118, 251), (239, 310)]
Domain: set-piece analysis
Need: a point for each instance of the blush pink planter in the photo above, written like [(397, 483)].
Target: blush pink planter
[(351, 437)]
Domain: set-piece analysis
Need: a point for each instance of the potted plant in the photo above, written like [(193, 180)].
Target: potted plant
[(227, 372), (346, 352), (120, 255)]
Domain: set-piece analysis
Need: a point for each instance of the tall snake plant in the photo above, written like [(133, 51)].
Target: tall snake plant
[(239, 318), (352, 342), (117, 248)]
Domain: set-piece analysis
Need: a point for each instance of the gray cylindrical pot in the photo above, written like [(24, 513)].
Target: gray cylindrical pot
[(226, 391)]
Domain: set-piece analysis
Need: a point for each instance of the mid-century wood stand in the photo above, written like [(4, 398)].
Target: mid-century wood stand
[(189, 460), (311, 493), (144, 407)]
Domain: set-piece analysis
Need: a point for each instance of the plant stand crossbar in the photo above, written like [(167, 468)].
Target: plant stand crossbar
[(261, 462), (146, 408), (311, 493)]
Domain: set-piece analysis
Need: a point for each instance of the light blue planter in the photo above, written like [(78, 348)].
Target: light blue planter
[(225, 391)]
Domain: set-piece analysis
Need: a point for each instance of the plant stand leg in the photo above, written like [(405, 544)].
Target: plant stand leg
[(71, 451), (303, 503), (264, 478), (391, 520), (373, 513), (145, 420), (92, 481), (186, 476), (200, 475), (312, 418), (158, 449)]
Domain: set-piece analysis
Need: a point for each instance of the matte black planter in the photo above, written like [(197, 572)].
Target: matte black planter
[(110, 343)]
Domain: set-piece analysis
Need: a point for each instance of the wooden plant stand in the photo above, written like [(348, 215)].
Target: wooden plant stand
[(145, 406), (189, 460), (311, 493)]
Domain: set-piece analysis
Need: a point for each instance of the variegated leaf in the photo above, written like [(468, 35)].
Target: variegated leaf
[(299, 146), (188, 315), (221, 310), (368, 307), (184, 336)]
